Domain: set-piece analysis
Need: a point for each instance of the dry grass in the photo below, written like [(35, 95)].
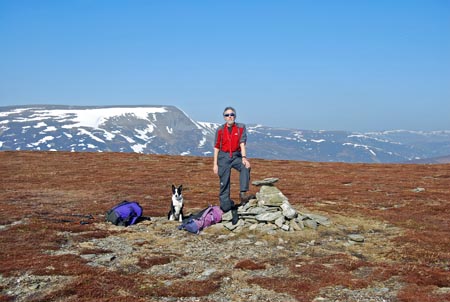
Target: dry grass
[(407, 232), (248, 264)]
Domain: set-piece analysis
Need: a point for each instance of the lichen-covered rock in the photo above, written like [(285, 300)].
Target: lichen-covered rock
[(269, 217), (288, 211), (266, 181), (312, 224), (319, 219), (270, 196), (280, 221), (356, 237)]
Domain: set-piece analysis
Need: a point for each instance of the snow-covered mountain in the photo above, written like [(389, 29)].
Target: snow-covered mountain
[(149, 129), (168, 130)]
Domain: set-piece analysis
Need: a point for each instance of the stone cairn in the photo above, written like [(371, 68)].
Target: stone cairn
[(272, 211)]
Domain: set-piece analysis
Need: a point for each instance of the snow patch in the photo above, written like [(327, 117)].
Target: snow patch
[(82, 131), (143, 134), (94, 117), (40, 125), (41, 141), (361, 146), (129, 139), (202, 142), (18, 110), (50, 128), (139, 148)]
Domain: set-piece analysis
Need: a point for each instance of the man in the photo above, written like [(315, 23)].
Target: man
[(230, 152)]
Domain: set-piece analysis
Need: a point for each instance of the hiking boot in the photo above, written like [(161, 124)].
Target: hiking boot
[(245, 198), (234, 215)]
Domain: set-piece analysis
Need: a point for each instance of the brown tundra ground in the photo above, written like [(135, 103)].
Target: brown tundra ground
[(46, 254)]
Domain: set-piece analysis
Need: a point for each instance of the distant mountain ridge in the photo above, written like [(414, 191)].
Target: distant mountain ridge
[(161, 129), (432, 160)]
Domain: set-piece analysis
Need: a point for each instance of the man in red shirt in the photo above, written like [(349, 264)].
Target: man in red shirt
[(230, 152)]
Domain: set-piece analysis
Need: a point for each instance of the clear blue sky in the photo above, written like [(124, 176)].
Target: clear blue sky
[(334, 65)]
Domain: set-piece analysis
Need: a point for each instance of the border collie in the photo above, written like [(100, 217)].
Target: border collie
[(176, 206)]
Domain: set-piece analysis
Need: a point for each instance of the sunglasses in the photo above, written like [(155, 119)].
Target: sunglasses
[(229, 114)]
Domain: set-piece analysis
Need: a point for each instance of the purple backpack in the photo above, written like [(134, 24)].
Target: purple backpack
[(125, 213), (209, 216)]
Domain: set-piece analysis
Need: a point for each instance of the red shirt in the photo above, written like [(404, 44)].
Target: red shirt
[(230, 142)]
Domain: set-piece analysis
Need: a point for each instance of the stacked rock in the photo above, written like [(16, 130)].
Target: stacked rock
[(271, 210)]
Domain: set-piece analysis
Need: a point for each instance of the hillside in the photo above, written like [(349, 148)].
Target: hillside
[(400, 210), (157, 129), (433, 160)]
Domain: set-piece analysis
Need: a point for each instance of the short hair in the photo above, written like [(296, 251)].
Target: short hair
[(229, 108)]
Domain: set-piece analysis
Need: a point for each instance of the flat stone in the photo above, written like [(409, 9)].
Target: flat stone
[(208, 272), (285, 227), (250, 220), (230, 226), (252, 211), (279, 222), (253, 227), (312, 224), (227, 216), (319, 219), (269, 217), (356, 237), (296, 226), (269, 190), (250, 204), (266, 181)]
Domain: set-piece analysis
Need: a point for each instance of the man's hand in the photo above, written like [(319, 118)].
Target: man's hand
[(246, 162)]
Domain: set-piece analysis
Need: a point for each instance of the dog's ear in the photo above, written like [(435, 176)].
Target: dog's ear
[(173, 187), (180, 188)]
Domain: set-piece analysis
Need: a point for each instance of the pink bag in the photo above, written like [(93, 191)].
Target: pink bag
[(211, 215)]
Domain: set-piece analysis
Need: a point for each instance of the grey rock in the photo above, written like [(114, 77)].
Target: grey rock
[(232, 227), (296, 226), (285, 227), (288, 211), (252, 211), (250, 204), (106, 258), (319, 219), (312, 224), (89, 257), (261, 243), (208, 272), (268, 190), (253, 227), (272, 209), (270, 196), (227, 216), (356, 237), (301, 217), (269, 217), (279, 222), (265, 181), (249, 220)]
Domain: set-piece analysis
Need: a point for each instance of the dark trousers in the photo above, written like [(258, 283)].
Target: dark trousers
[(225, 163)]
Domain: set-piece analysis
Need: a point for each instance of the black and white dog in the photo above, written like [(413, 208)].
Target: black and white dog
[(176, 206)]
